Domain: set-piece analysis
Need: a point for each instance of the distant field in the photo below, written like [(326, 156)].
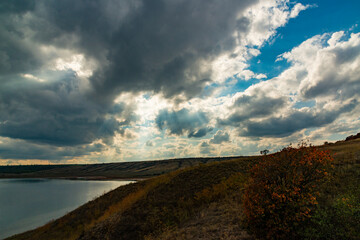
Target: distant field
[(123, 170)]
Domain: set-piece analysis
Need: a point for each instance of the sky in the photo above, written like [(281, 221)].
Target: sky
[(96, 81)]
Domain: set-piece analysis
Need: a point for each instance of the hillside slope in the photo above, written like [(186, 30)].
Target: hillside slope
[(143, 208), (201, 202)]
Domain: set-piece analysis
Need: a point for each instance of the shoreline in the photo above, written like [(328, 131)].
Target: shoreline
[(90, 178), (45, 217)]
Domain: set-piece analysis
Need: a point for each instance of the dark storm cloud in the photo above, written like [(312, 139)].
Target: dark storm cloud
[(160, 46), (16, 6), (298, 120), (16, 56), (200, 133), (145, 45), (248, 107), (183, 121), (18, 149), (204, 144), (220, 137), (332, 84), (57, 113)]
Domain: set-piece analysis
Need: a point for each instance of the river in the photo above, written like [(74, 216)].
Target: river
[(29, 203)]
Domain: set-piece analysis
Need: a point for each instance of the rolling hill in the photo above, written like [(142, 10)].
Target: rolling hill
[(121, 170)]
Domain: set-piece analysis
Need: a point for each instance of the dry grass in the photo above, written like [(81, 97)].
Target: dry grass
[(345, 152), (219, 220), (172, 203)]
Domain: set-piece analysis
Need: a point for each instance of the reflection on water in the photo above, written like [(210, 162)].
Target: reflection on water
[(28, 203)]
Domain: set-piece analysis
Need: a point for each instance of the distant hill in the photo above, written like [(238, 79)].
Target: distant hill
[(121, 170), (352, 137), (203, 202)]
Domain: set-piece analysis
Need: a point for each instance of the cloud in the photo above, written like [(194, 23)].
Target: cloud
[(256, 26), (111, 72), (206, 149), (265, 17), (254, 103), (295, 121), (140, 45), (19, 149), (200, 132), (57, 113), (298, 8), (143, 45), (325, 80), (330, 65), (220, 137), (63, 63), (183, 121), (150, 143), (324, 70), (247, 75)]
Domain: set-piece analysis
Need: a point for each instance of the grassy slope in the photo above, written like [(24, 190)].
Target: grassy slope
[(201, 202), (139, 209)]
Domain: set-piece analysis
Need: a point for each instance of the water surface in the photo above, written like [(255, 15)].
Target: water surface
[(29, 203)]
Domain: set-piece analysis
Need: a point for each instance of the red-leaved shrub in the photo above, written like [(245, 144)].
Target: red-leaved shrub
[(282, 191)]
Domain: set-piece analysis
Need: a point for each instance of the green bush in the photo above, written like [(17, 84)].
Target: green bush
[(339, 218)]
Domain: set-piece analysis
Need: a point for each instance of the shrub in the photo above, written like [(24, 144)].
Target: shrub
[(282, 191), (338, 219)]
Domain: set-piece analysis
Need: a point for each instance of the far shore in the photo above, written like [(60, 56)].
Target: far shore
[(88, 178), (121, 171)]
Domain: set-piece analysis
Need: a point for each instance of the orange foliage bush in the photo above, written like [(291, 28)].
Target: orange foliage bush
[(282, 191)]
